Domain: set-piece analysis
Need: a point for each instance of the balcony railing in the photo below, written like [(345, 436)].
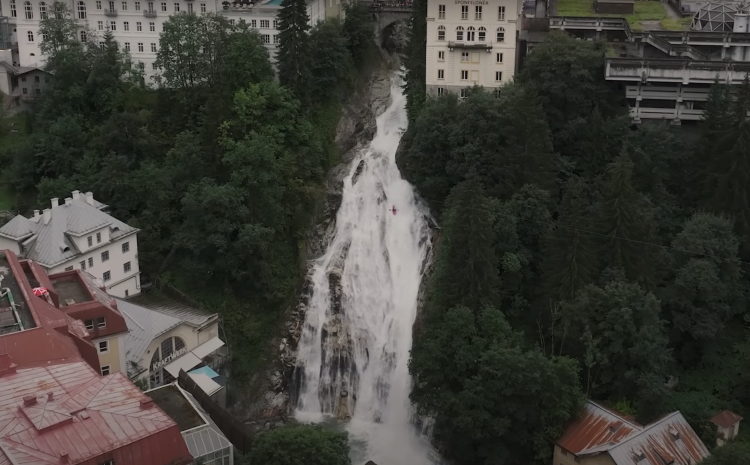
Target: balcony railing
[(149, 13), (470, 45), (110, 13)]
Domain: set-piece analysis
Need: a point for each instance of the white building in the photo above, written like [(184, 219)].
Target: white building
[(470, 42), (78, 234), (136, 25)]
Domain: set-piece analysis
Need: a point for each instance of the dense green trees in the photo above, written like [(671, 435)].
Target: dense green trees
[(293, 59), (300, 445)]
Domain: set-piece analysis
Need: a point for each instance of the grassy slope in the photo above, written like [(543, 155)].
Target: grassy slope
[(644, 11)]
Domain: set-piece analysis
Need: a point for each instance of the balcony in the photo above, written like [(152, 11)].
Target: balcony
[(110, 13), (470, 45), (675, 70), (149, 13)]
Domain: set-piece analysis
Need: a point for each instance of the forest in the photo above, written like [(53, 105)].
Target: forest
[(580, 256), (220, 167)]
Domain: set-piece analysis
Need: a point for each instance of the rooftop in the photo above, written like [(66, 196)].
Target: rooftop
[(726, 419), (170, 399), (14, 311), (646, 15)]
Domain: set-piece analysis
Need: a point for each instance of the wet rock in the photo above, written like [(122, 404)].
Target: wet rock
[(358, 172), (370, 462)]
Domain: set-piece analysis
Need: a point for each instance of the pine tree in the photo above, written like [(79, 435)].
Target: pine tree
[(570, 252), (715, 122), (415, 60), (623, 219), (293, 47)]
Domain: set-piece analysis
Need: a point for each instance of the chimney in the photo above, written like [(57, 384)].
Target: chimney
[(47, 215), (50, 396), (76, 195), (68, 201), (90, 198), (29, 400), (64, 457), (36, 214), (55, 202), (147, 403)]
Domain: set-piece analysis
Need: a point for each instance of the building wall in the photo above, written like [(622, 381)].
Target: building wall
[(316, 10), (480, 66), (32, 84), (113, 356), (121, 283), (562, 457)]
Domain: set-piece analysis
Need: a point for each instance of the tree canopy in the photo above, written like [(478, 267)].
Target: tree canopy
[(300, 445)]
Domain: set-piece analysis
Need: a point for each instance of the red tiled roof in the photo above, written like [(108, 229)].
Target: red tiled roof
[(90, 418), (726, 419)]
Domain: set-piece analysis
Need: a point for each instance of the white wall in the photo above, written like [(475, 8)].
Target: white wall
[(481, 65), (316, 10)]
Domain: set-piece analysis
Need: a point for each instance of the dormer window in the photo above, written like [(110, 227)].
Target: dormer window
[(89, 324), (101, 322), (90, 241)]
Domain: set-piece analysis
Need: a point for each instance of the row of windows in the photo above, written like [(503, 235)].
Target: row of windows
[(475, 56), (474, 75), (100, 322), (477, 12), (472, 34), (463, 93), (126, 267), (112, 26), (264, 23)]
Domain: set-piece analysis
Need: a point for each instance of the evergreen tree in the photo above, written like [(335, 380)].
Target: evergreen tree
[(292, 56), (623, 218), (358, 30), (416, 57), (715, 122)]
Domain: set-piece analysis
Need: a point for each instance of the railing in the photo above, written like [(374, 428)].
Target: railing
[(585, 22), (676, 70), (110, 13), (470, 45), (149, 13), (388, 6)]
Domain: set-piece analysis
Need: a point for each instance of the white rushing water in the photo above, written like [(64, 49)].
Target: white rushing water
[(354, 351)]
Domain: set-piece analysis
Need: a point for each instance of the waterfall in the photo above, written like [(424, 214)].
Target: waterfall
[(353, 355)]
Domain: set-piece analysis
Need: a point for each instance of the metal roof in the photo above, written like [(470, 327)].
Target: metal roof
[(726, 419), (51, 243), (599, 430), (18, 228), (70, 409), (171, 307)]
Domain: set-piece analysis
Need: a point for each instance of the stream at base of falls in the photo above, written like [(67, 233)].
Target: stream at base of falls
[(352, 363)]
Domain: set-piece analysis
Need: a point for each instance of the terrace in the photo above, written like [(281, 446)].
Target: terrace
[(71, 291), (647, 15), (14, 310)]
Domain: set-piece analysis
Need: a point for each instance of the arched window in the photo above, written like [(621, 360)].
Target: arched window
[(501, 34), (470, 37), (13, 12), (30, 35), (459, 33), (170, 349), (83, 36), (441, 32), (28, 10), (482, 34), (42, 10), (81, 10)]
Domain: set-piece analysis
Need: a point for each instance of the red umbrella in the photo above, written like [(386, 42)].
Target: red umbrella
[(40, 291)]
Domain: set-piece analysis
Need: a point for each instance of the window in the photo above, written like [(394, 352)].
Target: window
[(441, 74), (23, 78), (105, 372), (151, 7), (30, 36), (126, 293), (91, 262), (99, 235), (276, 39), (140, 46), (203, 7), (163, 6), (81, 10), (231, 22), (441, 56), (498, 58), (103, 347), (98, 4), (275, 23), (153, 47), (124, 6), (101, 322), (470, 34), (441, 11), (69, 268), (465, 12), (464, 93), (25, 90), (83, 265), (126, 26), (127, 46), (440, 91), (89, 324), (126, 247), (464, 75), (152, 27), (253, 23), (176, 7), (482, 34), (107, 276), (138, 26), (501, 34), (42, 10), (105, 256), (137, 6), (13, 12), (464, 57), (190, 8), (266, 38), (501, 13), (498, 76), (45, 36), (28, 11), (264, 23), (459, 33), (112, 27), (142, 65), (477, 12), (441, 33), (89, 239), (153, 65)]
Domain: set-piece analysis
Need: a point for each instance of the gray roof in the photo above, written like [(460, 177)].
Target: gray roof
[(146, 324), (173, 308), (18, 228), (203, 441), (51, 244)]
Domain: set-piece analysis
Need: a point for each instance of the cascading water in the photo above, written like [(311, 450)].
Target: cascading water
[(353, 355)]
